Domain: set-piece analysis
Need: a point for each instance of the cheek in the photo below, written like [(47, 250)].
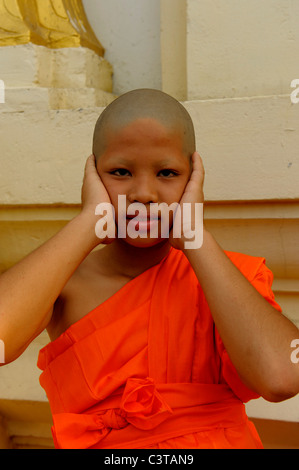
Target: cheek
[(111, 186), (113, 194), (175, 193), (114, 190)]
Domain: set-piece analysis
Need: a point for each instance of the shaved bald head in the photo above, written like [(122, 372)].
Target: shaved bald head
[(142, 104)]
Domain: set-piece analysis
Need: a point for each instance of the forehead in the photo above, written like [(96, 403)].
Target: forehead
[(144, 142), (144, 131)]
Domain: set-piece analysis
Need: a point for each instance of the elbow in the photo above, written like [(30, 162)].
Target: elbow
[(9, 354), (7, 359), (282, 389), (277, 396), (5, 356)]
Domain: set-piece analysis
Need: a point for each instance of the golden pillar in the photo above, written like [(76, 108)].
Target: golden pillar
[(51, 23)]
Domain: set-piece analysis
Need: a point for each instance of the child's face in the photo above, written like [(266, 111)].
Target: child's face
[(144, 161)]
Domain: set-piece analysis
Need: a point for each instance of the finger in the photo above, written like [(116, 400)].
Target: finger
[(197, 162), (90, 167), (88, 164), (198, 173), (90, 160)]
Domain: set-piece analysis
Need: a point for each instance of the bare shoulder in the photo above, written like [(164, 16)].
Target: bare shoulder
[(90, 285), (82, 293)]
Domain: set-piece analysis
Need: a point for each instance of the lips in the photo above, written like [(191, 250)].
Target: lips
[(139, 218), (142, 224)]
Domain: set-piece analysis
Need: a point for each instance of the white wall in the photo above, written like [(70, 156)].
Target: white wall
[(129, 30), (241, 48)]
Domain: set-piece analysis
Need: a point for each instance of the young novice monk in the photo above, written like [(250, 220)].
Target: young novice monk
[(153, 345)]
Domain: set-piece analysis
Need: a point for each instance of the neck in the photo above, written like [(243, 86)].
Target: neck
[(129, 261)]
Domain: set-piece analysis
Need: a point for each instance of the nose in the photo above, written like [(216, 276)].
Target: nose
[(143, 190)]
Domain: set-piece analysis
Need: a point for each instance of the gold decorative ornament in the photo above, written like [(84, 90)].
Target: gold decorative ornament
[(51, 23)]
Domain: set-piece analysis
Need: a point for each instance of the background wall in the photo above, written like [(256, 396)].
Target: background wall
[(234, 48), (238, 48), (130, 33)]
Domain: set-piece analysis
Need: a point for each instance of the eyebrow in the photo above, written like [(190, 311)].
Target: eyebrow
[(124, 161), (118, 160), (166, 163)]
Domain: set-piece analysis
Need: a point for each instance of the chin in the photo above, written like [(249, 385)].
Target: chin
[(144, 242)]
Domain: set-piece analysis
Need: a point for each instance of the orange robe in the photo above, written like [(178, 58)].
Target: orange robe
[(148, 369)]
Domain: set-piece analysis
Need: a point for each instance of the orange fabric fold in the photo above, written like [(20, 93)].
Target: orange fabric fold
[(147, 368), (141, 405)]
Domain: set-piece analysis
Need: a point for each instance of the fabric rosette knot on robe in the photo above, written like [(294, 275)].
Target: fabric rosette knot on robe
[(141, 405)]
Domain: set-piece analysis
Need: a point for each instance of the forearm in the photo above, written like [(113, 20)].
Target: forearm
[(29, 290), (256, 336)]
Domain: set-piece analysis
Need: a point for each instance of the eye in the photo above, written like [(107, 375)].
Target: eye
[(167, 173), (120, 172)]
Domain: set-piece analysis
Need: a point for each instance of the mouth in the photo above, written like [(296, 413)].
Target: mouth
[(143, 224), (142, 218)]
